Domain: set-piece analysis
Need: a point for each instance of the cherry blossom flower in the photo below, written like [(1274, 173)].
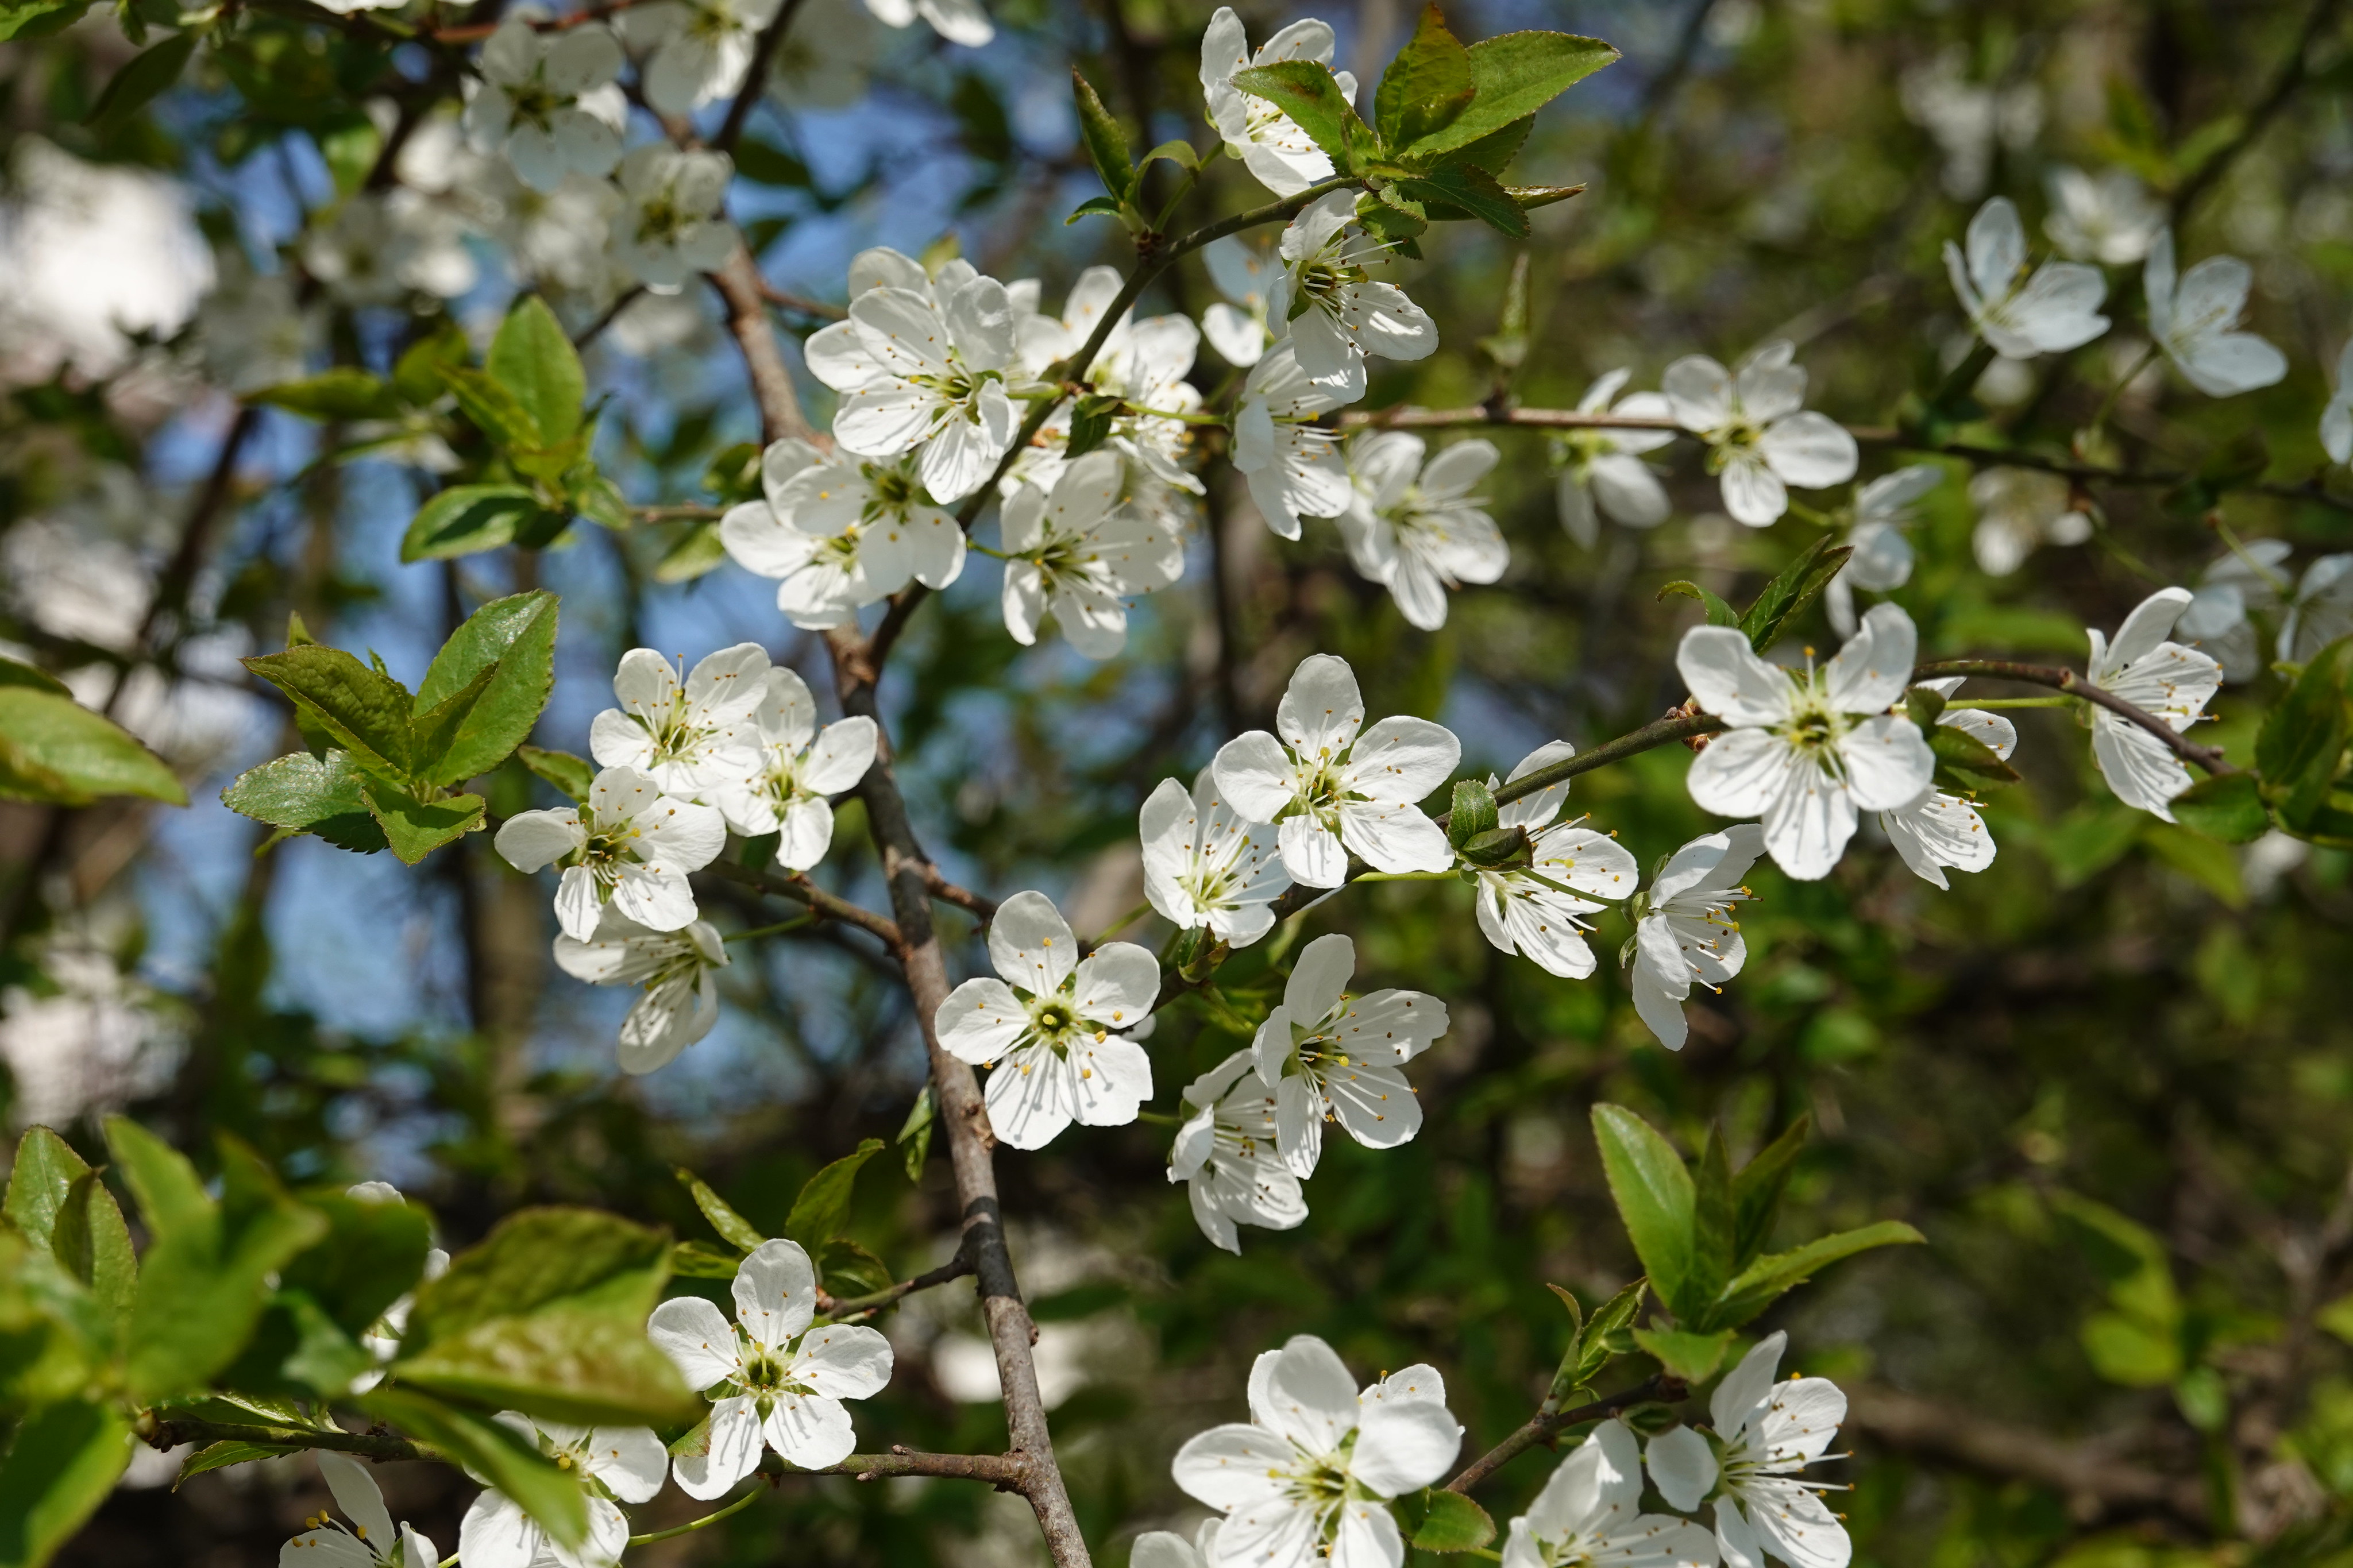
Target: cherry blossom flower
[(615, 1464), (958, 21), (1765, 1434), (840, 533), (1588, 1515), (1225, 1153), (1759, 438), (796, 766), (2160, 677), (2336, 419), (672, 224), (1167, 1549), (378, 249), (770, 1376), (2195, 320), (1330, 307), (915, 373), (1418, 530), (370, 1541), (1684, 930), (549, 100), (1881, 561), (1332, 791), (2321, 611), (701, 49), (1269, 142), (1236, 325), (689, 737), (1330, 1055), (2020, 317), (1206, 865), (2019, 510), (2110, 219), (1602, 470), (1305, 1483), (1044, 339), (1807, 752), (1941, 829), (1536, 910), (1055, 1027), (1081, 552), (629, 844), (1294, 470), (2242, 581), (676, 968)]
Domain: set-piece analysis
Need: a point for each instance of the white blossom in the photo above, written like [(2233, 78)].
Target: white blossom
[(1081, 552), (672, 223), (629, 844), (840, 533), (1294, 469), (1326, 301), (2242, 581), (1145, 362), (1941, 829), (1206, 865), (1329, 1056), (1881, 561), (616, 1464), (370, 1541), (1537, 910), (1806, 752), (1167, 1549), (1589, 1515), (549, 100), (377, 250), (2322, 610), (1759, 438), (916, 373), (771, 1376), (1054, 1026), (1418, 530), (958, 21), (1767, 1433), (1306, 1482), (689, 737), (676, 969), (2195, 320), (2055, 310), (699, 48), (1333, 792), (2019, 510), (2336, 419), (795, 767), (558, 238), (1236, 325), (1042, 338), (1269, 142), (1602, 470), (253, 333), (1225, 1153), (2111, 219), (2160, 677), (1684, 928)]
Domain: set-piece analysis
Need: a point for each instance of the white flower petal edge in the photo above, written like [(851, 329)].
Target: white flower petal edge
[(1684, 928), (1767, 1433), (2162, 679)]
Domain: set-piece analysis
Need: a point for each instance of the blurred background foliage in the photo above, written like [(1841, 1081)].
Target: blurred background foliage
[(2111, 1079)]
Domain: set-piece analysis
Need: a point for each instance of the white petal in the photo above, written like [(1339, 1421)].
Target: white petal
[(1404, 1444), (809, 1430), (843, 1360), (1682, 1466), (776, 1292), (1030, 943), (1324, 968), (1729, 681), (697, 1339)]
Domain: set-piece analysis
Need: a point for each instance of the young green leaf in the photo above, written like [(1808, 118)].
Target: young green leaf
[(1765, 1280), (1654, 1197), (701, 1260), (1472, 191), (414, 829), (1756, 1189), (1791, 591), (1091, 420), (1471, 812), (495, 410), (1106, 143), (1094, 206), (1719, 614), (560, 1362), (698, 551), (731, 1226), (915, 1134), (823, 1205), (53, 749), (1425, 86), (1964, 763), (465, 520), (301, 793), (1305, 91), (342, 393), (1452, 1523), (64, 1461), (1712, 1230), (570, 774), (1494, 150), (364, 709), (373, 1253), (1594, 1349), (144, 78), (221, 1455), (1516, 74), (2228, 806), (513, 641), (540, 1258), (1689, 1356), (2302, 743), (532, 359), (493, 1450), (58, 1202)]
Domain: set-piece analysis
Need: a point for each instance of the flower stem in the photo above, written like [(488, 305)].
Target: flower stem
[(708, 1520), (1122, 923), (2000, 702), (2108, 404)]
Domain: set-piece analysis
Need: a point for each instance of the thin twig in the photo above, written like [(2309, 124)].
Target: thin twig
[(965, 898), (801, 890), (1664, 1386), (2075, 684), (842, 1309), (755, 79)]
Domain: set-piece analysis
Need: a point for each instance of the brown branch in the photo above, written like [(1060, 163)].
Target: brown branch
[(806, 307), (1006, 1472), (1540, 1429), (842, 1309), (595, 329), (755, 78), (738, 283), (2075, 684), (792, 884), (170, 1432), (947, 892)]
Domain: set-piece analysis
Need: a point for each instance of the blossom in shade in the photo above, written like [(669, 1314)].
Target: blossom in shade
[(1329, 1056), (1881, 561), (701, 49), (1684, 928), (1941, 829), (675, 967), (1760, 439), (1589, 1515), (1602, 473), (1236, 325), (1417, 529), (2160, 677), (371, 1539), (1537, 910), (1053, 1027), (627, 845), (549, 100), (2321, 610), (838, 534), (2195, 320), (2336, 418), (2242, 581), (672, 223), (1206, 865), (1081, 552), (2056, 309), (688, 736), (615, 1465), (1167, 1549), (2109, 218), (1327, 302), (1269, 142), (1225, 1153), (958, 21), (1334, 788), (1765, 1434), (795, 767), (1294, 470), (2019, 511)]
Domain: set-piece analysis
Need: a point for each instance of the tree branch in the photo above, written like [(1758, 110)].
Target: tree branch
[(801, 890), (2075, 684), (844, 1309), (1539, 1428), (161, 1432), (755, 79)]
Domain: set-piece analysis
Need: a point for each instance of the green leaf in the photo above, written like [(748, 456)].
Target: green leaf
[(2301, 743), (1692, 1357), (698, 551), (1305, 91), (495, 409), (764, 163), (53, 749), (539, 1257), (701, 1260), (417, 373), (1516, 75), (38, 18), (732, 1227), (1765, 1280), (915, 1134), (342, 393), (373, 1253), (514, 641), (1654, 1197), (1107, 207), (1757, 1186), (1452, 1523), (1712, 1228), (305, 793), (560, 1362), (2228, 806), (823, 1205), (171, 1196), (495, 1451), (1425, 86), (1106, 143), (533, 360), (1471, 812), (1610, 1319), (1179, 152), (1090, 418), (58, 1202), (221, 1455), (1964, 763), (570, 774), (63, 1463), (1794, 589), (144, 78), (1719, 614), (465, 520), (1494, 150), (364, 709), (414, 829), (1472, 189), (326, 1357), (850, 1270)]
